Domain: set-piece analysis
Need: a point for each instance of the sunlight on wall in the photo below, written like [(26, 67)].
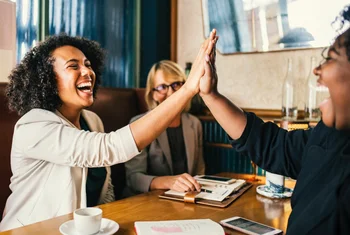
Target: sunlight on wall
[(250, 80), (303, 14)]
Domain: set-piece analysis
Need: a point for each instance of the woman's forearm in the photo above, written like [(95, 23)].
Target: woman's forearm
[(230, 117), (150, 126), (160, 182)]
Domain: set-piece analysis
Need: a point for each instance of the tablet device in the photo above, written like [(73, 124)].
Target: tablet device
[(215, 179), (249, 227)]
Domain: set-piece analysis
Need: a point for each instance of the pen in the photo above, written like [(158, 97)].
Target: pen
[(206, 190)]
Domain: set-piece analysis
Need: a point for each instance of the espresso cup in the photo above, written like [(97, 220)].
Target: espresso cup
[(87, 220), (275, 182)]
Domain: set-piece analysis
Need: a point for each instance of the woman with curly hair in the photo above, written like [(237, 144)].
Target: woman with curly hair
[(318, 158), (171, 160), (60, 156)]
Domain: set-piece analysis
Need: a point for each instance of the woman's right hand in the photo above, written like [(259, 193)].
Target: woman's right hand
[(209, 81), (197, 70), (181, 183), (184, 183)]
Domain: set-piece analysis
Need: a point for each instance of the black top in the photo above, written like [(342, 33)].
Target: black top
[(177, 149), (318, 158), (96, 177)]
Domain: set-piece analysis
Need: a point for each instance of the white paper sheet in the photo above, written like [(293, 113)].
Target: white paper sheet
[(216, 192)]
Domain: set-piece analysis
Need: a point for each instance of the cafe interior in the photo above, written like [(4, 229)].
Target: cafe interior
[(265, 56)]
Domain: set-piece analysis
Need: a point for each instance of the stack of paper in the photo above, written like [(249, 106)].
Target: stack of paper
[(179, 227), (213, 191)]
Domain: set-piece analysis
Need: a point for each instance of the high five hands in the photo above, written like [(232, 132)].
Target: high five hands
[(206, 52), (208, 83)]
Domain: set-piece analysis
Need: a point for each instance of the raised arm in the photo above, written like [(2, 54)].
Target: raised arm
[(147, 128), (229, 116)]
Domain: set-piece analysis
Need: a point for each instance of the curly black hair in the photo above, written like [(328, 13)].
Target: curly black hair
[(344, 18), (33, 81)]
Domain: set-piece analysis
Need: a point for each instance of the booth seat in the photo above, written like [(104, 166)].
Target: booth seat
[(115, 106)]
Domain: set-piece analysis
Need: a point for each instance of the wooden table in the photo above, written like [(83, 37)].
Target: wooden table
[(273, 212)]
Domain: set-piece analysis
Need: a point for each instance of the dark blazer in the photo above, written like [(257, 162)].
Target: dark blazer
[(318, 158), (156, 159)]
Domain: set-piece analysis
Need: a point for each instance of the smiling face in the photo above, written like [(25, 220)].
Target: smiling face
[(75, 78), (334, 73), (163, 78)]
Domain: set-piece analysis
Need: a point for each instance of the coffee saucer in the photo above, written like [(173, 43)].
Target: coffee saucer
[(108, 227), (267, 192)]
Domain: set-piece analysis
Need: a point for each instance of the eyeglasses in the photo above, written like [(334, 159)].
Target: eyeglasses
[(163, 88)]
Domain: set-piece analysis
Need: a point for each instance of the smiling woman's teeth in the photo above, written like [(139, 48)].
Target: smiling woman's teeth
[(85, 87)]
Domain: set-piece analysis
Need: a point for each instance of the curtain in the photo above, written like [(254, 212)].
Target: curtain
[(27, 12), (112, 23)]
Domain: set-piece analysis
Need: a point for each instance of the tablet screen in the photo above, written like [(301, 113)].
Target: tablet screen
[(250, 226), (208, 177)]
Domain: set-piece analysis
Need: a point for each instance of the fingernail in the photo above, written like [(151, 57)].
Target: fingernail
[(207, 57)]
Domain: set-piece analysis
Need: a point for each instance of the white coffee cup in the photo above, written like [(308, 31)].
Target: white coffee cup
[(87, 220), (275, 182)]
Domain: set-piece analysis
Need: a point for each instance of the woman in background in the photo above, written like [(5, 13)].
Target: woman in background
[(177, 153), (57, 143)]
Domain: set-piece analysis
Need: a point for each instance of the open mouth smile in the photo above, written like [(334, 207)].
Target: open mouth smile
[(85, 87)]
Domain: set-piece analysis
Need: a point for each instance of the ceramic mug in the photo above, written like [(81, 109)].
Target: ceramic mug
[(87, 220), (275, 182)]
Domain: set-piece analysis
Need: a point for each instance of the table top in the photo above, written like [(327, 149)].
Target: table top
[(147, 206)]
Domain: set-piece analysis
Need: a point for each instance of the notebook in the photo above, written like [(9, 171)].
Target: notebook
[(179, 227), (213, 194), (213, 191)]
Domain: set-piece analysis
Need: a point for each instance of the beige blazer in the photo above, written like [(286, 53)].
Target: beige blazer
[(156, 159), (49, 162)]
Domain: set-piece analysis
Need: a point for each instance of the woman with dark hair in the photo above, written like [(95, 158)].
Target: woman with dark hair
[(318, 158), (59, 156), (171, 160)]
